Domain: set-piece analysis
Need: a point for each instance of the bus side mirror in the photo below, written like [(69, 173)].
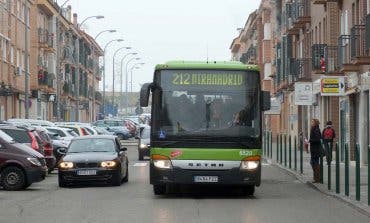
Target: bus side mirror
[(266, 101), (144, 94)]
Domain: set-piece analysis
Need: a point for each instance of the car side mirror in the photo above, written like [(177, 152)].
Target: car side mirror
[(266, 101), (144, 94), (62, 150), (123, 149)]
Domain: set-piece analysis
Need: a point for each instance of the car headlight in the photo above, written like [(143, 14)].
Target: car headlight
[(108, 164), (143, 146), (66, 165), (250, 163), (161, 162), (34, 161)]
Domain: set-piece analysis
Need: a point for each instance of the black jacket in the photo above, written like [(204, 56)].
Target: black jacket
[(315, 141)]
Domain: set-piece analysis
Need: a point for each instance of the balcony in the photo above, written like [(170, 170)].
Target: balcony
[(69, 89), (98, 96), (299, 70), (46, 39), (250, 56), (46, 79), (318, 58), (300, 14), (344, 54), (331, 60), (359, 51)]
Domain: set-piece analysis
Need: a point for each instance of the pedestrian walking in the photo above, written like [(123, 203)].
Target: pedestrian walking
[(315, 149), (328, 135)]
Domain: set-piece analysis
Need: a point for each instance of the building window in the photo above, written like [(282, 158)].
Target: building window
[(18, 59), (4, 49), (12, 55)]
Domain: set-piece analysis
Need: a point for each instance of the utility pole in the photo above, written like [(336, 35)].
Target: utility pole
[(26, 65)]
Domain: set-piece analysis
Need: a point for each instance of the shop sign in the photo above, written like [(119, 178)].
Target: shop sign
[(303, 93), (333, 86)]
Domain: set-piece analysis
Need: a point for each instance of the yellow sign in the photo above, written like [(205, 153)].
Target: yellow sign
[(208, 79), (333, 86)]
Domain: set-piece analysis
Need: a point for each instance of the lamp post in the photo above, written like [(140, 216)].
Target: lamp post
[(104, 31), (121, 76), (78, 63), (134, 67), (114, 56), (104, 51), (135, 58)]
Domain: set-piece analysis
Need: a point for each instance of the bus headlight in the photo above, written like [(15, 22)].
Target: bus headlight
[(250, 163), (161, 162)]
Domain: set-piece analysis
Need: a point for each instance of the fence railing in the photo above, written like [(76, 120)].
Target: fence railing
[(288, 152)]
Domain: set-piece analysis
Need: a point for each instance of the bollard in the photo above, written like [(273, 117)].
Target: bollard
[(321, 164), (264, 142), (285, 150), (346, 170), (290, 152), (295, 153), (337, 171), (368, 174), (329, 174), (281, 148), (267, 144), (301, 154), (357, 157), (277, 148)]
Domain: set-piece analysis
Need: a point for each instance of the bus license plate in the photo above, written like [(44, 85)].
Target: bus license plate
[(86, 172), (206, 179)]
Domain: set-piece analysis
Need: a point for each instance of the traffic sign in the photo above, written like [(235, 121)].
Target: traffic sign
[(333, 86)]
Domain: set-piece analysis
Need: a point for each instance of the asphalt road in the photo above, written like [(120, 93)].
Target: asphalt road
[(280, 198)]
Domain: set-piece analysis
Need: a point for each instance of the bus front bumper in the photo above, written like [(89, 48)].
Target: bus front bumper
[(177, 175)]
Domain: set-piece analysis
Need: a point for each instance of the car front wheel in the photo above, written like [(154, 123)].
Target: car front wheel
[(159, 189), (13, 178)]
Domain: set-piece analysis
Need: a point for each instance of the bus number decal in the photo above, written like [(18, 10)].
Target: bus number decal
[(245, 152)]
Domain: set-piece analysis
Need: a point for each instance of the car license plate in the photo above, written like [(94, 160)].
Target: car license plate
[(86, 172), (206, 179)]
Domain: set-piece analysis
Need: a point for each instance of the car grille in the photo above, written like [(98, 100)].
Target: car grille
[(42, 161), (87, 165)]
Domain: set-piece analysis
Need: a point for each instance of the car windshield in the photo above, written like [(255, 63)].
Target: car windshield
[(19, 135), (92, 145)]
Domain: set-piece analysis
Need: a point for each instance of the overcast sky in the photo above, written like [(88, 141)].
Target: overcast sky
[(163, 30)]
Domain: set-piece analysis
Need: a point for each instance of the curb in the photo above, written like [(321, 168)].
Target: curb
[(355, 205)]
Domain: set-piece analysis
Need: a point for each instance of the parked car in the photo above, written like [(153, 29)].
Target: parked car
[(118, 123), (58, 143), (120, 131), (102, 131), (77, 129), (144, 143), (34, 122), (48, 147), (20, 166), (94, 159), (25, 135)]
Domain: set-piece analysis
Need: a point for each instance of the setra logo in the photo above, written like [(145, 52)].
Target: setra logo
[(176, 153)]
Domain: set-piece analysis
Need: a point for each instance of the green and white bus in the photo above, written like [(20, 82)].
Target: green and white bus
[(205, 124)]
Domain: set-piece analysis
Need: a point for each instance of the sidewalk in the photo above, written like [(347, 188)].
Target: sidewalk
[(307, 177)]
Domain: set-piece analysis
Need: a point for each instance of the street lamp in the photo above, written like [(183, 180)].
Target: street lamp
[(135, 58), (121, 77), (134, 67), (114, 56), (78, 63), (105, 48), (104, 31)]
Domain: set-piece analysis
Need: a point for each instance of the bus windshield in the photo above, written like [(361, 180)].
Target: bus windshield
[(207, 105)]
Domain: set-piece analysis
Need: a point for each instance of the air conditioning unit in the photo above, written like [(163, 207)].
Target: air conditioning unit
[(18, 71)]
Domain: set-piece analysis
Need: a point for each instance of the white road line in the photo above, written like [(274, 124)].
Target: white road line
[(265, 164), (140, 164)]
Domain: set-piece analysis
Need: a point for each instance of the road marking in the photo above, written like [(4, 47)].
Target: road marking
[(140, 164), (265, 164)]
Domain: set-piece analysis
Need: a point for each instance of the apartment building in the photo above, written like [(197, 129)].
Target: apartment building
[(320, 62), (14, 48)]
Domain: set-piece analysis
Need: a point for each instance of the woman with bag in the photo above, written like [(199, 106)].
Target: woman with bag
[(315, 149)]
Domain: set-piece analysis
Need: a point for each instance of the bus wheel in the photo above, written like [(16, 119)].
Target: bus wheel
[(159, 189), (249, 190)]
